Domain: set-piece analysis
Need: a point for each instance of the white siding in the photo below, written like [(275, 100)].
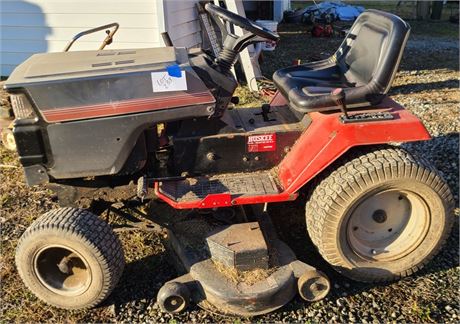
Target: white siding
[(34, 26), (279, 7), (182, 23)]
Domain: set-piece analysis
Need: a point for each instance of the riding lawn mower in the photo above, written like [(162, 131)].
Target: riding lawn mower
[(160, 125)]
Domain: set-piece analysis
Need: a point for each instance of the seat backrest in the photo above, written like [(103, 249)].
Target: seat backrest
[(373, 48)]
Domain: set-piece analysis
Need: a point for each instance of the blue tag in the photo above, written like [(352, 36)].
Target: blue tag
[(174, 71)]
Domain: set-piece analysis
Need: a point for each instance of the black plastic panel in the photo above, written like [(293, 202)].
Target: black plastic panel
[(102, 146), (29, 144)]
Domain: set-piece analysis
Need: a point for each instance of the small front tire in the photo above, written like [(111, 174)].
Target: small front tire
[(173, 297), (313, 285), (70, 258)]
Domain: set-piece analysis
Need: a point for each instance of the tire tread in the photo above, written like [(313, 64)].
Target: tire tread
[(92, 231), (363, 167)]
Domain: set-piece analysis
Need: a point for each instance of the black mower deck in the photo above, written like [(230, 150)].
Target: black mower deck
[(220, 272)]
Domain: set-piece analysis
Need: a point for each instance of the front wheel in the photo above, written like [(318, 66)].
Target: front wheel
[(381, 214), (70, 258)]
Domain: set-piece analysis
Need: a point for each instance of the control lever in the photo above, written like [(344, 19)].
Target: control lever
[(338, 95), (265, 111)]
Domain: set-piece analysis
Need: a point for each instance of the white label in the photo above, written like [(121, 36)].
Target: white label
[(162, 82)]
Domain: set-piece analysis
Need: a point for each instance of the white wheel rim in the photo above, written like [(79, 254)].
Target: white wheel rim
[(388, 225)]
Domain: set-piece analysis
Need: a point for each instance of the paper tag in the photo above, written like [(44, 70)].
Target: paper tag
[(262, 143), (162, 82)]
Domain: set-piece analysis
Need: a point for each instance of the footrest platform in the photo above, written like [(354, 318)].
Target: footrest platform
[(219, 190)]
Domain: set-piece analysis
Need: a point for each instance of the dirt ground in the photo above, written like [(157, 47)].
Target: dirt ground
[(427, 84)]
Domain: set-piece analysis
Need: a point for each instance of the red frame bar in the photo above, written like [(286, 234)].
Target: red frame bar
[(221, 200)]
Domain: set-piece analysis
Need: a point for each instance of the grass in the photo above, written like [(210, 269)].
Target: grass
[(422, 312), (434, 29), (248, 98)]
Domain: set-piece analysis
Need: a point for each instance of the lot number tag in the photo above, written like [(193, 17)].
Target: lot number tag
[(163, 82)]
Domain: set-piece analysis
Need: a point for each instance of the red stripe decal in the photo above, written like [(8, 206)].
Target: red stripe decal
[(125, 107)]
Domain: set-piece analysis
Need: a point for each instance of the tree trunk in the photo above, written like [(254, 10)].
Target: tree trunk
[(436, 10), (423, 10)]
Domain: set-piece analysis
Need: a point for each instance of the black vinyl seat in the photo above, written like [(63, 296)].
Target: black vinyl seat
[(364, 66)]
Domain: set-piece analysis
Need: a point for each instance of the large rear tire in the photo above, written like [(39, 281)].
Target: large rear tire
[(70, 258), (379, 214)]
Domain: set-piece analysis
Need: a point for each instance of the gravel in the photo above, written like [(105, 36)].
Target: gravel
[(431, 44), (427, 85)]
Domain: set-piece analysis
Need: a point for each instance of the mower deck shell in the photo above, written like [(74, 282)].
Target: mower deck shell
[(213, 289)]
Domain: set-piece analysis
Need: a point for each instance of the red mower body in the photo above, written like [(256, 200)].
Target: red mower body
[(323, 142)]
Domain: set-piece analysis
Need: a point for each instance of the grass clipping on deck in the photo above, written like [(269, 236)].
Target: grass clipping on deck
[(249, 277)]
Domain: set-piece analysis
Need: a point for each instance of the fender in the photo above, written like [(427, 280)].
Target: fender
[(328, 138)]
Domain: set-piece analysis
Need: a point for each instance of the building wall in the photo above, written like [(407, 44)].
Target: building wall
[(33, 26), (279, 7), (182, 23)]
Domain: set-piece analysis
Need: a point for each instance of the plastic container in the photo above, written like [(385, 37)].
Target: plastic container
[(270, 25)]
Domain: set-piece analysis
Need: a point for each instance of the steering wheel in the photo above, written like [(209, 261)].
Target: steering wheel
[(242, 22), (231, 43)]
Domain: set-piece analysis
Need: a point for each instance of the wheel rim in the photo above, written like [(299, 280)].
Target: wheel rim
[(388, 225), (313, 286), (174, 303), (9, 141), (62, 270)]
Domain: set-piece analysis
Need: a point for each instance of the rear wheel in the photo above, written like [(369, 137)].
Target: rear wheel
[(70, 258), (380, 214)]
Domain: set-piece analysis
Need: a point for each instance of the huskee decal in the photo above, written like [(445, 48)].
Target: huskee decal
[(262, 143)]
